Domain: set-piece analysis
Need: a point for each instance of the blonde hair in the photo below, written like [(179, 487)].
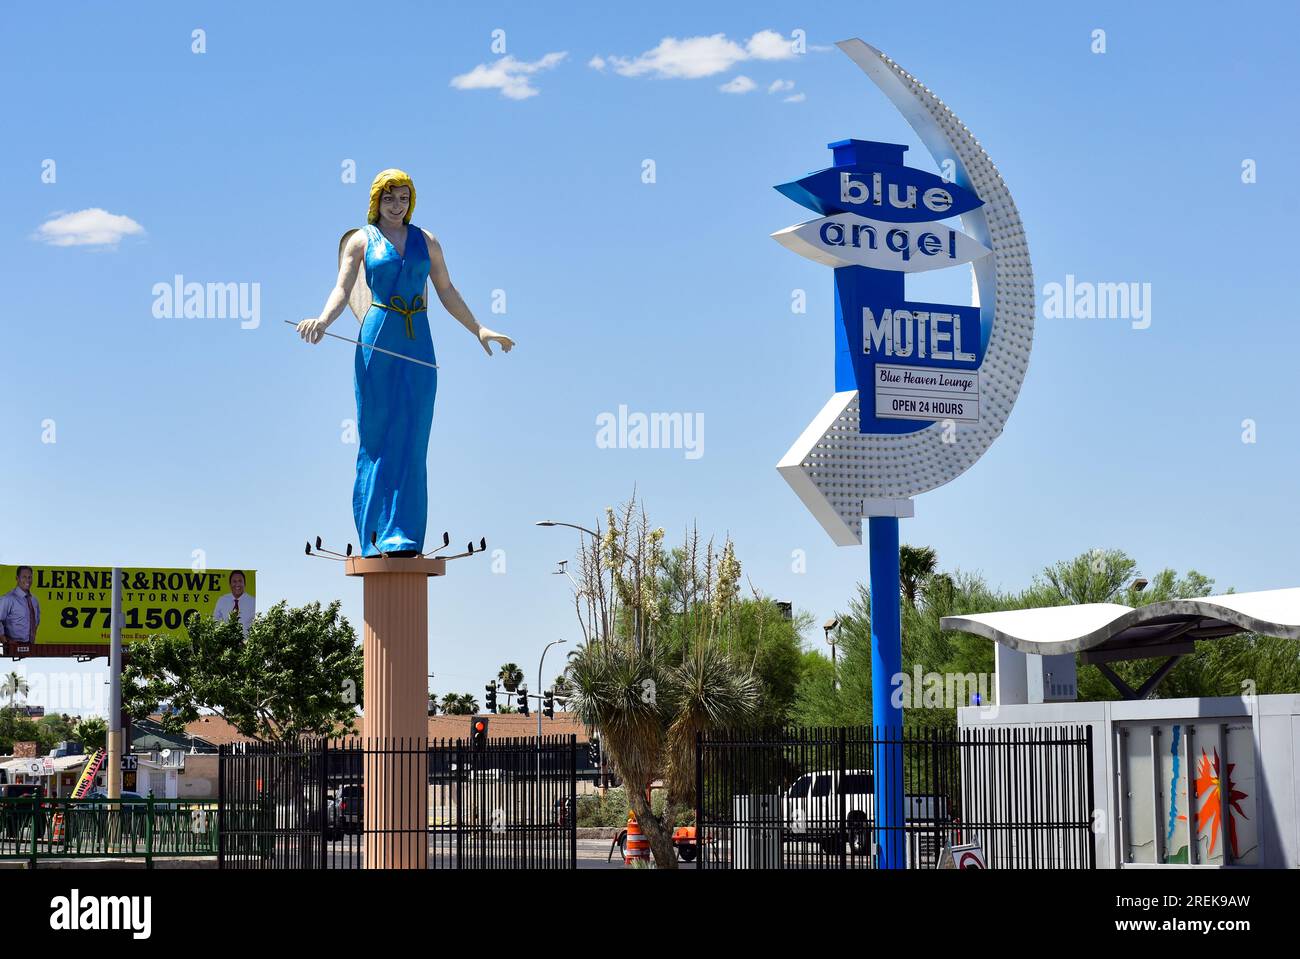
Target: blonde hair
[(388, 180)]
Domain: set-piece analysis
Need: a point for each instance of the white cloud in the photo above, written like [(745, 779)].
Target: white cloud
[(508, 75), (92, 227), (694, 57), (770, 45), (596, 63), (741, 84), (797, 98), (778, 86)]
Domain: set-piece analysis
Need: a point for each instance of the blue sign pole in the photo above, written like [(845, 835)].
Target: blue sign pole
[(886, 718)]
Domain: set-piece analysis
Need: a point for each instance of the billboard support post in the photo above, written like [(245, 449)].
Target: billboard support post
[(115, 691)]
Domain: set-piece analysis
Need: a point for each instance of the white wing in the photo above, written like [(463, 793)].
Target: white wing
[(359, 297)]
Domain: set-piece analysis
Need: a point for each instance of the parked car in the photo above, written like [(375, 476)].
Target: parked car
[(17, 817), (127, 795), (333, 822), (563, 810), (811, 808), (349, 812), (97, 802)]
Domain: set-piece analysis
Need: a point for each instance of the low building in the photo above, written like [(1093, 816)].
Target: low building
[(1189, 782)]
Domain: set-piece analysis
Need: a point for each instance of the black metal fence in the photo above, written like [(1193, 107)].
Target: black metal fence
[(804, 798), (446, 804)]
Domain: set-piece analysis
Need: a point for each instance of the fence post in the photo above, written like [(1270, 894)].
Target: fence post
[(323, 804), (842, 826), (1092, 807), (148, 831), (573, 800), (459, 772), (222, 754), (699, 799), (36, 818)]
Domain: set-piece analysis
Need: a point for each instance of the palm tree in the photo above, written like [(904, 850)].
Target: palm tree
[(916, 564), (562, 689), (459, 704), (511, 676), (13, 686)]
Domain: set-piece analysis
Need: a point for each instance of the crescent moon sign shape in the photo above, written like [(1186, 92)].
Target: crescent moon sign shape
[(833, 467)]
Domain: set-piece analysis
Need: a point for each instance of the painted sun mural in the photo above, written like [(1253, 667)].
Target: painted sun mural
[(1218, 772), (1210, 790)]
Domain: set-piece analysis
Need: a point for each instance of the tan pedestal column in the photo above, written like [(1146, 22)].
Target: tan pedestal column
[(395, 723)]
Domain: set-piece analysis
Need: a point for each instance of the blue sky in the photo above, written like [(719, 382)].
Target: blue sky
[(182, 434)]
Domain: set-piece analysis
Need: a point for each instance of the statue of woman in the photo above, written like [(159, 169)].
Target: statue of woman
[(390, 500)]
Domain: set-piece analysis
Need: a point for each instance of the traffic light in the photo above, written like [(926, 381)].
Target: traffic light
[(593, 753), (478, 729), (548, 704), (490, 700), (523, 700)]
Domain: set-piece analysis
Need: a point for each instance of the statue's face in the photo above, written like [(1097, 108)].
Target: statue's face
[(394, 203)]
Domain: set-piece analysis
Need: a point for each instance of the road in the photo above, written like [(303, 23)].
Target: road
[(345, 853)]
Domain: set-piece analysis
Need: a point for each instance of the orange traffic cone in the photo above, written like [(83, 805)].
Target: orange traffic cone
[(637, 846)]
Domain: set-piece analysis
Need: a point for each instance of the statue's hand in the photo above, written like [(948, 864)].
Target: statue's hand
[(312, 329), (487, 337)]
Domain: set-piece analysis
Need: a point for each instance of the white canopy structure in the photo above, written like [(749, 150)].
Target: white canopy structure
[(1108, 632)]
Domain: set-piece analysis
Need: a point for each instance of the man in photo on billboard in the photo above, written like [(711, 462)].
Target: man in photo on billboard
[(236, 601), (20, 611)]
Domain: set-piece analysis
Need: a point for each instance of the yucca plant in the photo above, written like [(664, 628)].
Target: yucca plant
[(655, 669)]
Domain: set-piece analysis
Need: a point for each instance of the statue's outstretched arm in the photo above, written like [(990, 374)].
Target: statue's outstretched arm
[(353, 253), (452, 302)]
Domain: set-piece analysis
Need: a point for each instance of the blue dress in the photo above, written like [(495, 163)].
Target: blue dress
[(394, 398)]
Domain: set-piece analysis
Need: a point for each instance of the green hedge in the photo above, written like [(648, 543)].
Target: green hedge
[(612, 809)]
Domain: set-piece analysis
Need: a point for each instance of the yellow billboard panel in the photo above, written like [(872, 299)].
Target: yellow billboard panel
[(72, 605)]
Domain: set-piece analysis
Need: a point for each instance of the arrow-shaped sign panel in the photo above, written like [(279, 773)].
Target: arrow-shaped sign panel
[(883, 191), (847, 239)]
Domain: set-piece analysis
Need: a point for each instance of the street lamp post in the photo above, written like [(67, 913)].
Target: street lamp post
[(636, 614), (540, 674), (833, 625)]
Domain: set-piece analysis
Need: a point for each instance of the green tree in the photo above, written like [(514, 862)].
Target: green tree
[(13, 686), (658, 665), (924, 644), (760, 638), (17, 728), (92, 732), (296, 672), (54, 728), (1222, 667), (1098, 576)]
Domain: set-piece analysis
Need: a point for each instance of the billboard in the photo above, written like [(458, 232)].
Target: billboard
[(73, 604)]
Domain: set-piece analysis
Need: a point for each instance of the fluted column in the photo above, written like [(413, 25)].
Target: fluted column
[(395, 712)]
